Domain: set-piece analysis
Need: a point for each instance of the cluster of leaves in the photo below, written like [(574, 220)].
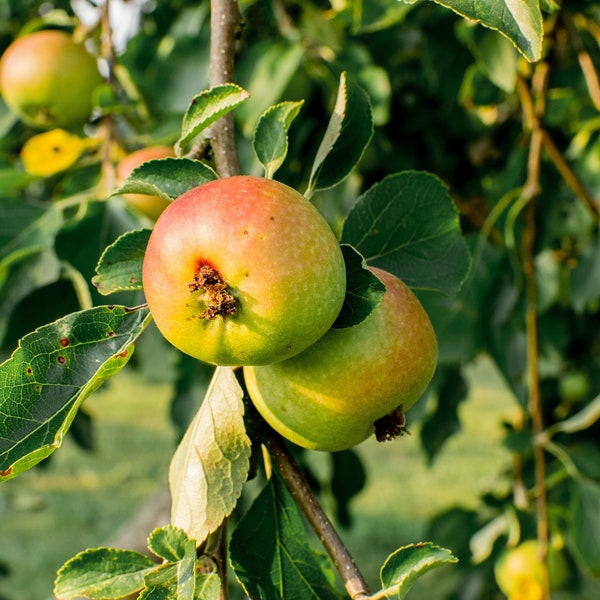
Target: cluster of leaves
[(446, 97)]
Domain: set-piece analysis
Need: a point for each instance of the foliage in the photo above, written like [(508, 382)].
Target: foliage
[(462, 157)]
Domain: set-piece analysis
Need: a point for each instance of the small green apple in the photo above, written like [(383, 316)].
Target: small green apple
[(574, 386), (47, 79), (243, 271), (151, 206), (330, 396)]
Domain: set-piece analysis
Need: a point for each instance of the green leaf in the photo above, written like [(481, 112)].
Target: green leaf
[(12, 180), (172, 581), (457, 320), (585, 278), (377, 15), (188, 579), (52, 372), (519, 20), (166, 177), (266, 69), (348, 479), (21, 273), (26, 226), (495, 55), (408, 225), (208, 584), (270, 552), (211, 463), (207, 107), (103, 573), (182, 576), (348, 133), (171, 543), (120, 266), (406, 565), (443, 422), (364, 290), (270, 138), (584, 523)]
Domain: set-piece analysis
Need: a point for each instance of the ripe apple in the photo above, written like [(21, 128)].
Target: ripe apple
[(243, 271), (47, 79), (151, 206), (519, 570), (330, 396)]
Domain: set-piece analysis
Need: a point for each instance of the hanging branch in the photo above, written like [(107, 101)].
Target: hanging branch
[(533, 114), (353, 579), (567, 173)]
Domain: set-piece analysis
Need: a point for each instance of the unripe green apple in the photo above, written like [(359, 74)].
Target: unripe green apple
[(151, 206), (47, 79), (518, 570), (330, 396), (243, 271)]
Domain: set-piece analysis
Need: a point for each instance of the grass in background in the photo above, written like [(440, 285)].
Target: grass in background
[(80, 499)]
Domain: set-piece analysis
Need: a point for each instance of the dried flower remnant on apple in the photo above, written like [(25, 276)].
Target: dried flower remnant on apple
[(220, 302)]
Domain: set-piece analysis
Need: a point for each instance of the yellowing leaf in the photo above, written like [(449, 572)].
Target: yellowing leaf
[(53, 151)]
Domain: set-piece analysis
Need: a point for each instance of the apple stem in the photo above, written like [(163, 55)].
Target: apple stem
[(354, 582), (225, 27)]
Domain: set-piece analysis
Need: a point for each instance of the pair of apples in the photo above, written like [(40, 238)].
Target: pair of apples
[(244, 271)]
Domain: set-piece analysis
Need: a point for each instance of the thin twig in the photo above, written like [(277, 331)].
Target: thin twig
[(571, 179), (531, 191), (584, 58), (108, 181), (355, 584), (225, 24)]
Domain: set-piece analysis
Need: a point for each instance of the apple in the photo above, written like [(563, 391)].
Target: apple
[(151, 206), (243, 271), (518, 571), (574, 386), (330, 396), (47, 79)]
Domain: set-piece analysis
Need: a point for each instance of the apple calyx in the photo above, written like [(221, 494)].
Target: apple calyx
[(391, 426), (220, 303)]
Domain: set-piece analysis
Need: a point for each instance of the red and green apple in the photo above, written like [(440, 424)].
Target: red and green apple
[(243, 271)]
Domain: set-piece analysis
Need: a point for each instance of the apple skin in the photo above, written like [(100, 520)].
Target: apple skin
[(329, 396), (519, 568), (277, 260), (47, 79), (151, 206)]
